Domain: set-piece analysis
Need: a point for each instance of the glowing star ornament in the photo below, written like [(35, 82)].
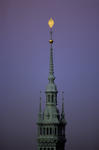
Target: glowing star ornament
[(51, 23)]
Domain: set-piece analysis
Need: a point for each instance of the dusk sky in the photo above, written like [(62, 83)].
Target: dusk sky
[(24, 68)]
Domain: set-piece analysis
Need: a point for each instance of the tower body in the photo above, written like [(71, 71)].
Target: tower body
[(51, 123)]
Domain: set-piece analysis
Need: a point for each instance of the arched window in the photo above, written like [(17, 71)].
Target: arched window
[(44, 131), (47, 131), (52, 98), (50, 130)]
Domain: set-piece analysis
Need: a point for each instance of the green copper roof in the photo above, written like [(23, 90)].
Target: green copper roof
[(51, 114), (51, 87)]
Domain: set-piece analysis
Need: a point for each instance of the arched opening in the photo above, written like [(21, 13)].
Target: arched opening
[(47, 131), (44, 131), (50, 131), (52, 98)]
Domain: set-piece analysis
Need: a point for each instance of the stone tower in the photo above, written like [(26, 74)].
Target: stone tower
[(51, 123)]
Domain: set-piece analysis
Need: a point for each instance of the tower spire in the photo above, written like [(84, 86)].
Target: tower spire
[(51, 124), (51, 66)]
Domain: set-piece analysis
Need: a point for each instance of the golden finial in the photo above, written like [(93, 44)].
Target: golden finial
[(51, 23)]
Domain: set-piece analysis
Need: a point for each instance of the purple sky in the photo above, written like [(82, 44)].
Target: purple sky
[(24, 64)]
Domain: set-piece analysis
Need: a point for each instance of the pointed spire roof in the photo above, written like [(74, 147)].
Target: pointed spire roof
[(51, 85), (51, 65)]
